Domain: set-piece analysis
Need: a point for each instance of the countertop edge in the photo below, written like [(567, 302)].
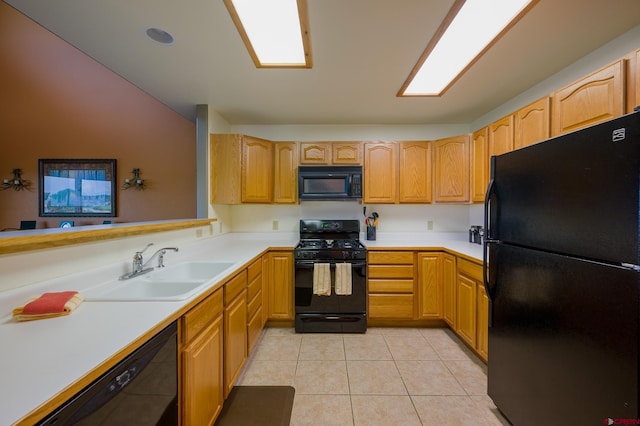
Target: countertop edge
[(21, 241)]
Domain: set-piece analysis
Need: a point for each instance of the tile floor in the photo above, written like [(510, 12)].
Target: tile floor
[(388, 376)]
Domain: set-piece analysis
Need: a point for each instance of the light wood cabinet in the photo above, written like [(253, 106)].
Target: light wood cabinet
[(255, 322), (266, 277), (280, 285), (501, 136), (315, 153), (430, 286), (257, 170), (415, 173), (473, 307), (346, 153), (241, 169), (391, 284), (480, 171), (449, 289), (466, 309), (531, 123), (235, 329), (482, 322), (325, 153), (596, 97), (380, 172), (451, 169), (285, 173), (635, 86), (201, 361)]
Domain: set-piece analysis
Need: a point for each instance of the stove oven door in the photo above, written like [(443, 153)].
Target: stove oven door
[(334, 313)]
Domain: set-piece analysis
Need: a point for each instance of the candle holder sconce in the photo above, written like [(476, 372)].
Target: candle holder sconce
[(17, 183), (136, 182)]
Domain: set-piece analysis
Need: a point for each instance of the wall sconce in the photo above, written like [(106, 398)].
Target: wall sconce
[(135, 182), (17, 183)]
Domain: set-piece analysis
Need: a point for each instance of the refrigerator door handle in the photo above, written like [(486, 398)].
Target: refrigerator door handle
[(488, 286), (489, 196), (489, 236)]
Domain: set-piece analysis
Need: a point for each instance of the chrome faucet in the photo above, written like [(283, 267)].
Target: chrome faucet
[(140, 267)]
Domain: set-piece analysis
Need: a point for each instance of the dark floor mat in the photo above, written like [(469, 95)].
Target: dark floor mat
[(257, 405)]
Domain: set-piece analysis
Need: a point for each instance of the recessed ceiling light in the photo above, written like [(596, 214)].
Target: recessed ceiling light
[(275, 32), (159, 35), (469, 29)]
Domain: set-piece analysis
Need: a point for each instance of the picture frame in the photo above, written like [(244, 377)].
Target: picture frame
[(77, 187)]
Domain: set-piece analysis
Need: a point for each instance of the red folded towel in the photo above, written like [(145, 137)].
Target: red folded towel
[(49, 305)]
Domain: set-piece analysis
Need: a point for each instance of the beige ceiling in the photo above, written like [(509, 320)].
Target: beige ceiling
[(362, 50)]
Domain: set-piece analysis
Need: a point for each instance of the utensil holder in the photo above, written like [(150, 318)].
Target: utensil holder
[(371, 233)]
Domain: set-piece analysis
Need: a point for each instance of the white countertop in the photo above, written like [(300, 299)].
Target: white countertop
[(41, 358)]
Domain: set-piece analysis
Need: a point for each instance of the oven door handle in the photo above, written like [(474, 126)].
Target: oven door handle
[(309, 264)]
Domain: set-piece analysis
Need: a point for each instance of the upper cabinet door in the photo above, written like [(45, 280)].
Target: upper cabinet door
[(532, 123), (595, 98), (325, 153), (346, 153), (451, 169), (479, 164), (416, 181), (285, 173), (380, 177), (315, 153), (226, 162), (257, 170), (501, 136)]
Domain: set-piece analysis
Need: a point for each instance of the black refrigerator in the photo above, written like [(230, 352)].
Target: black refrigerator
[(562, 275)]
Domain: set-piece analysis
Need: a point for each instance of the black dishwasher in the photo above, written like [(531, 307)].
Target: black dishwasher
[(140, 390)]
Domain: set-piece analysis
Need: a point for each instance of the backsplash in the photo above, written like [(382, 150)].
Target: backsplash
[(393, 217)]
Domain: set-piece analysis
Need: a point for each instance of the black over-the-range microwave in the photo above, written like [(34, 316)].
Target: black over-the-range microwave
[(329, 183)]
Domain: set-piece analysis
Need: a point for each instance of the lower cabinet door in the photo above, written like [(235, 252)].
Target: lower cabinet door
[(235, 339), (466, 321), (254, 329), (202, 376), (482, 323)]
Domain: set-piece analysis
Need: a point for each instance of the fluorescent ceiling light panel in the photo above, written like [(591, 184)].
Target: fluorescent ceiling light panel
[(467, 32), (276, 32)]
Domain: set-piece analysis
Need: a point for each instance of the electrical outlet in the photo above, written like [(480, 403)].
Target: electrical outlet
[(275, 225), (198, 233), (429, 225)]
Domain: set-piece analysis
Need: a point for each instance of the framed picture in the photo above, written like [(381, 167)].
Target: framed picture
[(77, 188)]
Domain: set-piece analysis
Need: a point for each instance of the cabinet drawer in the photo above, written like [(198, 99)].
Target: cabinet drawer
[(471, 269), (390, 257), (200, 316), (397, 306), (390, 286), (254, 304), (235, 286), (390, 271), (254, 270), (254, 287)]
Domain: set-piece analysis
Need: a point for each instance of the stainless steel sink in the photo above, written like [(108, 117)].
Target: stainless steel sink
[(175, 282)]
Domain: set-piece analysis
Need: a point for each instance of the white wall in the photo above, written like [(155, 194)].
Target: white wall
[(20, 269), (401, 218), (352, 132), (612, 51), (393, 217)]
